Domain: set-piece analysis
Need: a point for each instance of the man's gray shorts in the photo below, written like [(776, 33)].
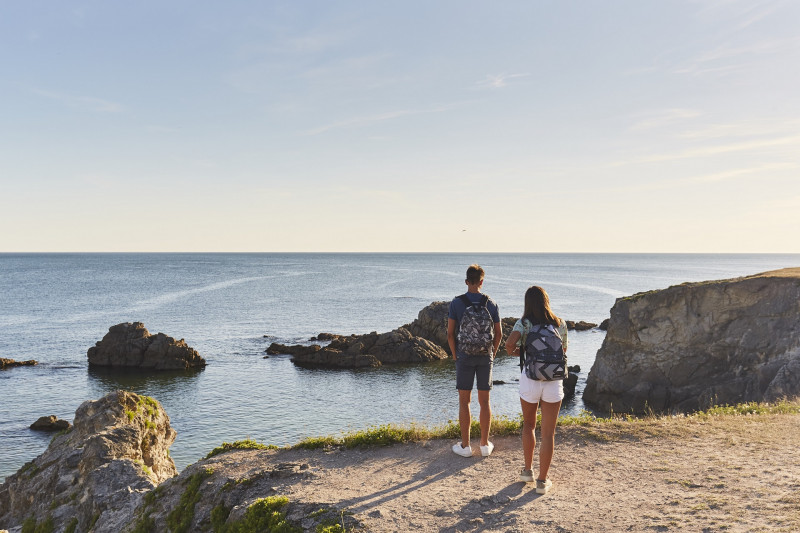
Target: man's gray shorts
[(468, 367)]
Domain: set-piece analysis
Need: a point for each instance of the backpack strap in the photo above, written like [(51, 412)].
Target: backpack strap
[(522, 340), (467, 301)]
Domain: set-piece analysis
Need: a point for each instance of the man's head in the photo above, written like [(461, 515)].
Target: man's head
[(475, 275)]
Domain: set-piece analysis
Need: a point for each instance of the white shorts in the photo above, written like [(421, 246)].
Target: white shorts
[(533, 391)]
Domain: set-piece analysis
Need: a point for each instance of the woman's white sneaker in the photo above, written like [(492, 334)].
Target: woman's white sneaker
[(543, 486), (463, 452), (486, 451)]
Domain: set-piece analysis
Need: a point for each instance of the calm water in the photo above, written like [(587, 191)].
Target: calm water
[(54, 307)]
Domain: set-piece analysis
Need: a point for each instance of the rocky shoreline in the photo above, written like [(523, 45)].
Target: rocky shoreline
[(112, 473)]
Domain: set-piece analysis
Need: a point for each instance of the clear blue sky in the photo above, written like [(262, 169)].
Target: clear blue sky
[(619, 126)]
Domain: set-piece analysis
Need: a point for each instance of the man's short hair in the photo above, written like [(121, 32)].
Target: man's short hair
[(475, 274)]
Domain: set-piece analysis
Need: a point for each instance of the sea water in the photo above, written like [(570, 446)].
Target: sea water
[(230, 307)]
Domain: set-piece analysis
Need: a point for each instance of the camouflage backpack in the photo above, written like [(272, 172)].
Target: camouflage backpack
[(476, 329), (543, 357)]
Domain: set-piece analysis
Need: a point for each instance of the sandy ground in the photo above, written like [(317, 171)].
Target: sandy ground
[(732, 473)]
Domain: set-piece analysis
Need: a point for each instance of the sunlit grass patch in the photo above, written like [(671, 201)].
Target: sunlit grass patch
[(246, 444)]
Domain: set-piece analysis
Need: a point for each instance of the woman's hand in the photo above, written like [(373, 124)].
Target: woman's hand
[(511, 343)]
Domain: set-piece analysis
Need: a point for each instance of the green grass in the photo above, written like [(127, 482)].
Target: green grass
[(264, 515), (31, 526), (71, 526), (247, 444), (181, 517), (601, 429)]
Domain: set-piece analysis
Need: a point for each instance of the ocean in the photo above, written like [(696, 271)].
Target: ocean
[(230, 307)]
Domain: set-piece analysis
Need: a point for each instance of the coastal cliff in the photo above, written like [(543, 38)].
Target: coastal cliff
[(95, 475), (99, 478), (697, 344)]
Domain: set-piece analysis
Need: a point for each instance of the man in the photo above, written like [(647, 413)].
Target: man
[(473, 333)]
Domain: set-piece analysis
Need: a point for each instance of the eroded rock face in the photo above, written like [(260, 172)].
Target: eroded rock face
[(131, 345), (693, 345), (96, 473)]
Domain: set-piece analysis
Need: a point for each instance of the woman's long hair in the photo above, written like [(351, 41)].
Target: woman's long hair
[(537, 307)]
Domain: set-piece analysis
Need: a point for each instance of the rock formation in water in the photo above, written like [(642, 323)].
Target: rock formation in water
[(94, 476), (423, 340), (130, 345), (356, 351), (697, 344), (10, 363), (50, 423)]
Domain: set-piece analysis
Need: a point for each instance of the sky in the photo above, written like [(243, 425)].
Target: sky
[(413, 126)]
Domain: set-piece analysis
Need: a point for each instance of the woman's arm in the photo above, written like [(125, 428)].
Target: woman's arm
[(511, 343)]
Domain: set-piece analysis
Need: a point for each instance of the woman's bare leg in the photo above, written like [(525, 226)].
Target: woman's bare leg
[(528, 426), (549, 419)]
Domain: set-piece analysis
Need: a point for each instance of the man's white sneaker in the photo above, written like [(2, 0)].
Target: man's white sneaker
[(463, 452), (486, 451)]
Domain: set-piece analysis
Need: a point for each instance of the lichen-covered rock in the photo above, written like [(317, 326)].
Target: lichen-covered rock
[(131, 345), (693, 345), (96, 473)]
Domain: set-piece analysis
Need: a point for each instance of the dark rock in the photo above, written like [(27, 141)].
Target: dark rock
[(372, 349), (570, 382), (604, 324), (10, 363), (50, 423), (131, 345), (283, 349), (693, 345), (574, 368), (498, 382), (580, 325)]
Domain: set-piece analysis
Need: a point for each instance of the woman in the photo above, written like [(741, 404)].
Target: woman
[(532, 393)]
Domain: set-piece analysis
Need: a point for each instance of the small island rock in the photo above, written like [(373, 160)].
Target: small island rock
[(10, 363), (50, 423), (130, 345)]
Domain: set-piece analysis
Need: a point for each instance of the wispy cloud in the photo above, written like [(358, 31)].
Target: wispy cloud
[(666, 117), (715, 150), (87, 103), (390, 115), (736, 173), (497, 81)]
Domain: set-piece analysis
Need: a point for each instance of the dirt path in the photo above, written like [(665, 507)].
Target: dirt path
[(733, 473)]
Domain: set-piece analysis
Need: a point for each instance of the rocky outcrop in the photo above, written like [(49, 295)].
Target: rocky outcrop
[(10, 363), (357, 351), (50, 423), (431, 323), (424, 339), (130, 345), (581, 325), (94, 476), (697, 344)]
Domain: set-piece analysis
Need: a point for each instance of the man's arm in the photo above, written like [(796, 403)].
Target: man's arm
[(498, 336), (451, 336)]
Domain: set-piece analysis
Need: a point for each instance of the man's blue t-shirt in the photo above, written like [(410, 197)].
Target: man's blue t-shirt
[(457, 308)]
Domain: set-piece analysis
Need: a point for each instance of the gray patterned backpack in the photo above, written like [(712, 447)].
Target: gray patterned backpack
[(476, 329), (543, 358)]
